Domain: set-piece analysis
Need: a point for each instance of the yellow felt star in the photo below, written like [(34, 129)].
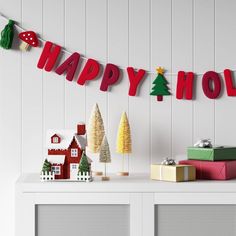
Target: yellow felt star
[(160, 70)]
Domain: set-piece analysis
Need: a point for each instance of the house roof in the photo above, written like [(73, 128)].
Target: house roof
[(89, 160), (56, 159), (66, 139), (55, 135), (81, 140)]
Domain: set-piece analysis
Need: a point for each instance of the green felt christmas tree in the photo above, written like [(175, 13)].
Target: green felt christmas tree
[(84, 165), (46, 166), (160, 87), (7, 35)]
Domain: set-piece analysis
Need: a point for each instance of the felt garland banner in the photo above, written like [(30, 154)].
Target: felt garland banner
[(211, 80)]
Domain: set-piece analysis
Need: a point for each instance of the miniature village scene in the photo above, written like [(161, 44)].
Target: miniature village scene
[(67, 159)]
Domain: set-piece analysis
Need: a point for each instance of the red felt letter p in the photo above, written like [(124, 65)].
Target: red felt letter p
[(185, 83), (49, 56), (90, 71), (134, 80), (111, 76)]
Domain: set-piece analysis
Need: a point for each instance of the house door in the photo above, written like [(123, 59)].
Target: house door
[(74, 171)]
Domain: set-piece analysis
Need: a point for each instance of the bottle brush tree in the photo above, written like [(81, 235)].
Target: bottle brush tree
[(124, 144), (105, 155), (95, 130), (46, 166), (84, 164)]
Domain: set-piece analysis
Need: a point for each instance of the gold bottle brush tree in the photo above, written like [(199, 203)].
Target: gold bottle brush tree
[(124, 144)]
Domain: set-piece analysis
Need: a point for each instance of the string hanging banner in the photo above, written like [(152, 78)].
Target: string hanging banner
[(211, 80)]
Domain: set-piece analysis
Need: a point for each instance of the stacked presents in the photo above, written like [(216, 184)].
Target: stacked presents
[(216, 163), (204, 162)]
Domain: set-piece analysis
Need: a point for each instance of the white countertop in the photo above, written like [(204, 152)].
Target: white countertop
[(30, 183)]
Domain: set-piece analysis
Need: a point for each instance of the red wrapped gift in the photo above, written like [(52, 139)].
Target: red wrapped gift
[(217, 170)]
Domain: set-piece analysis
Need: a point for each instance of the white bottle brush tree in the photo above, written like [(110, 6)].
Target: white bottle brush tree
[(124, 144), (105, 156), (95, 132)]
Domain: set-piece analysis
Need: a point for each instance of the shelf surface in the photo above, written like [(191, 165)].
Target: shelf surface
[(30, 183)]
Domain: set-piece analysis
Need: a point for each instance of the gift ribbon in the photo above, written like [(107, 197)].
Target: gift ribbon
[(203, 143), (186, 177), (166, 162), (171, 162)]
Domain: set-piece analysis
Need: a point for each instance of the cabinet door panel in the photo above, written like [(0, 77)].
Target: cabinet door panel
[(83, 220), (195, 220)]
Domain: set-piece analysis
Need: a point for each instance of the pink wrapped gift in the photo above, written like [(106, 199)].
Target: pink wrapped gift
[(217, 170)]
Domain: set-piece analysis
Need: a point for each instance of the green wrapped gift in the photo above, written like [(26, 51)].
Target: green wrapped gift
[(212, 154)]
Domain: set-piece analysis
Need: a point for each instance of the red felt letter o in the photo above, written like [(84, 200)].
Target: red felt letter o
[(111, 76), (213, 92), (90, 71)]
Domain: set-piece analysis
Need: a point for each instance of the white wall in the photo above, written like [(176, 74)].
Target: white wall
[(196, 35)]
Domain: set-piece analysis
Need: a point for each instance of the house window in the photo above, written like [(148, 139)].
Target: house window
[(56, 170), (74, 152), (55, 140), (74, 166)]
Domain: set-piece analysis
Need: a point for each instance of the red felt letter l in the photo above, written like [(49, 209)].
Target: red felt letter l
[(134, 79), (231, 90)]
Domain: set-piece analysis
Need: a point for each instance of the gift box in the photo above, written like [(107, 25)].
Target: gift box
[(175, 173), (212, 154), (218, 170)]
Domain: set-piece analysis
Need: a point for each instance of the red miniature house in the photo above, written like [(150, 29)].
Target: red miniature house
[(65, 148)]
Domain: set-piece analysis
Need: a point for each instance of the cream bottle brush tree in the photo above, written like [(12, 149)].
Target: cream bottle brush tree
[(95, 132), (105, 156), (124, 144)]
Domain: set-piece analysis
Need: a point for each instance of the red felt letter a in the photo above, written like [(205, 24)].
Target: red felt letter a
[(185, 83), (49, 56), (134, 79), (69, 66)]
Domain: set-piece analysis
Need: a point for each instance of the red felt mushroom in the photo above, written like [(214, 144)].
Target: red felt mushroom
[(29, 38)]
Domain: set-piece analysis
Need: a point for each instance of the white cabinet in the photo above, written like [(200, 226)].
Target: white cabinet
[(128, 206)]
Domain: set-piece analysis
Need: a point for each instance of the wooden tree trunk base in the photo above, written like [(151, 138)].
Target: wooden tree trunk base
[(123, 173), (105, 178), (97, 173)]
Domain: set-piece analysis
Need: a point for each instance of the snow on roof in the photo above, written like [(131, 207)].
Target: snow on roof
[(56, 159), (66, 139)]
